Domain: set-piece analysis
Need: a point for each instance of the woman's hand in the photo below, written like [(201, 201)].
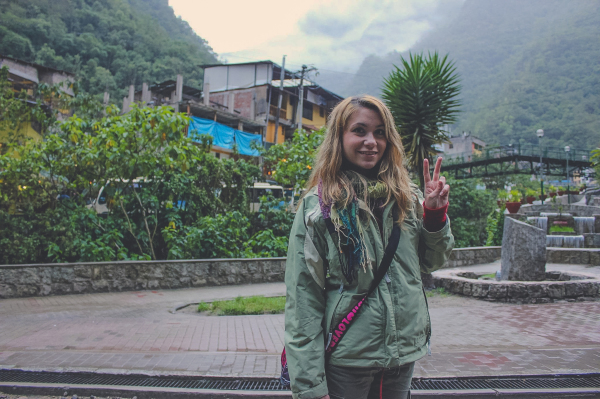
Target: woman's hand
[(436, 190)]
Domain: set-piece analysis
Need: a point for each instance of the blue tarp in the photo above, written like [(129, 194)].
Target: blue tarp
[(224, 136), (244, 140)]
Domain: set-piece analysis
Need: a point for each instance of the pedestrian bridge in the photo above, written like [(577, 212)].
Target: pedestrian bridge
[(518, 159)]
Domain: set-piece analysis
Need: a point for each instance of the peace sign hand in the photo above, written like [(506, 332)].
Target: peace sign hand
[(436, 190)]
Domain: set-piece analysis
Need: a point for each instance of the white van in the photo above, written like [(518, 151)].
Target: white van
[(260, 189), (106, 194)]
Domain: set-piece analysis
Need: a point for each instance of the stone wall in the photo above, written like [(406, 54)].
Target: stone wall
[(575, 210), (574, 256), (473, 256), (558, 286), (79, 278)]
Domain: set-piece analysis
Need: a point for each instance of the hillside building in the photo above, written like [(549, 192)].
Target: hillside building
[(238, 104), (464, 145), (27, 76)]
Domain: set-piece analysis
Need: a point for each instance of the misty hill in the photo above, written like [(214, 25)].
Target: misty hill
[(524, 65), (109, 44)]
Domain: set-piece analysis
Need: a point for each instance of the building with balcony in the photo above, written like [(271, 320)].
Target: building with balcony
[(251, 90)]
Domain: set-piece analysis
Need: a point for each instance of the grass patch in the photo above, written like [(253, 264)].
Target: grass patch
[(561, 229), (491, 275), (437, 292), (245, 306)]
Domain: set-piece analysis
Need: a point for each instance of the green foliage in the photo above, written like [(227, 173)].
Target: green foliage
[(468, 209), (232, 235), (515, 196), (108, 44), (530, 192), (253, 305), (162, 190), (291, 162), (495, 227), (561, 229), (503, 195), (422, 97)]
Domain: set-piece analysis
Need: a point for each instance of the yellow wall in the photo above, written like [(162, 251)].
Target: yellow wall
[(25, 130), (317, 120), (271, 133)]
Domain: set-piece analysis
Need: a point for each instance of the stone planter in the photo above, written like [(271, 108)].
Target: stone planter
[(513, 207)]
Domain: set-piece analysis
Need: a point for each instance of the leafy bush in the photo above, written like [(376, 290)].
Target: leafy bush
[(495, 227), (468, 210)]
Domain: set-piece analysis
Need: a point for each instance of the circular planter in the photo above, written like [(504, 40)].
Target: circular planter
[(552, 195), (513, 207), (530, 200), (561, 193), (543, 197)]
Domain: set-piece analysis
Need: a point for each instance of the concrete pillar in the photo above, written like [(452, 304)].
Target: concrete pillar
[(131, 94), (240, 126), (179, 89), (106, 98), (206, 94), (126, 107), (231, 102), (145, 93)]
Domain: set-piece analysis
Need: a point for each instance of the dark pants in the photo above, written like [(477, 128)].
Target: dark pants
[(369, 382)]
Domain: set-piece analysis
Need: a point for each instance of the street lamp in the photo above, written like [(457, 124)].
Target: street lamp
[(567, 150), (540, 134)]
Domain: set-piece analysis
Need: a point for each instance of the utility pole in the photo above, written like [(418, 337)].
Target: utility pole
[(301, 101), (281, 79)]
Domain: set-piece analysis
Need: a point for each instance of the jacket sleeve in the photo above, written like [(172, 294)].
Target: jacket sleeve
[(434, 247), (305, 305)]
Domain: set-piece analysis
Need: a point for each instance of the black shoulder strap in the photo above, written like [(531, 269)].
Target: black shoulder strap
[(388, 256)]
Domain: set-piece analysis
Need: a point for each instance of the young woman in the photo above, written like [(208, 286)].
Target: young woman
[(358, 190)]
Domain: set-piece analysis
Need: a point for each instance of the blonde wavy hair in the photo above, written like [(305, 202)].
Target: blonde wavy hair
[(337, 188)]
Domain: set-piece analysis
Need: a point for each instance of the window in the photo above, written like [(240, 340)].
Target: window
[(321, 112), (307, 112), (451, 146)]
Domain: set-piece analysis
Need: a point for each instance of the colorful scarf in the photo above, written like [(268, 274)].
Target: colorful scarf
[(352, 251)]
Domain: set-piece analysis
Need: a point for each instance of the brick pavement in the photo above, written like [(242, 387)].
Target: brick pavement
[(135, 332)]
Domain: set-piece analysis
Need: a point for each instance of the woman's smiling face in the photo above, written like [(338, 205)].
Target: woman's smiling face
[(363, 140)]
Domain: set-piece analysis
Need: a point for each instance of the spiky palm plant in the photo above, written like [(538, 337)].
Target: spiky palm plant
[(422, 97)]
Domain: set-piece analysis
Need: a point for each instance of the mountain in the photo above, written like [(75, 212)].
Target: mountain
[(524, 65), (109, 44)]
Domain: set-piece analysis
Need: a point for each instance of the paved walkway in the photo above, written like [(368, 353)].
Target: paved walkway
[(137, 332)]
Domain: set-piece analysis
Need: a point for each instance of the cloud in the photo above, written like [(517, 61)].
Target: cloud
[(338, 35)]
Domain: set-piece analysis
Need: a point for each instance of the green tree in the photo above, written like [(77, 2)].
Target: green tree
[(422, 98), (290, 163)]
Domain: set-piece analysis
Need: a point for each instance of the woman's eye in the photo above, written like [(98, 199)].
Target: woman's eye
[(380, 132), (359, 130)]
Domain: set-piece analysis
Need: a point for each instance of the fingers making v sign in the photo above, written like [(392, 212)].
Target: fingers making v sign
[(436, 190)]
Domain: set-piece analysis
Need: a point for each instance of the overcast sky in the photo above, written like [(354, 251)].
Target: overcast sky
[(332, 35)]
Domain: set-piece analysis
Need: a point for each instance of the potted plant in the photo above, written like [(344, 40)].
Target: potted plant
[(560, 190), (502, 197), (530, 195), (514, 202), (552, 191)]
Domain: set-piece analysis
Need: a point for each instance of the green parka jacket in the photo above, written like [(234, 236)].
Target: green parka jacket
[(392, 328)]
